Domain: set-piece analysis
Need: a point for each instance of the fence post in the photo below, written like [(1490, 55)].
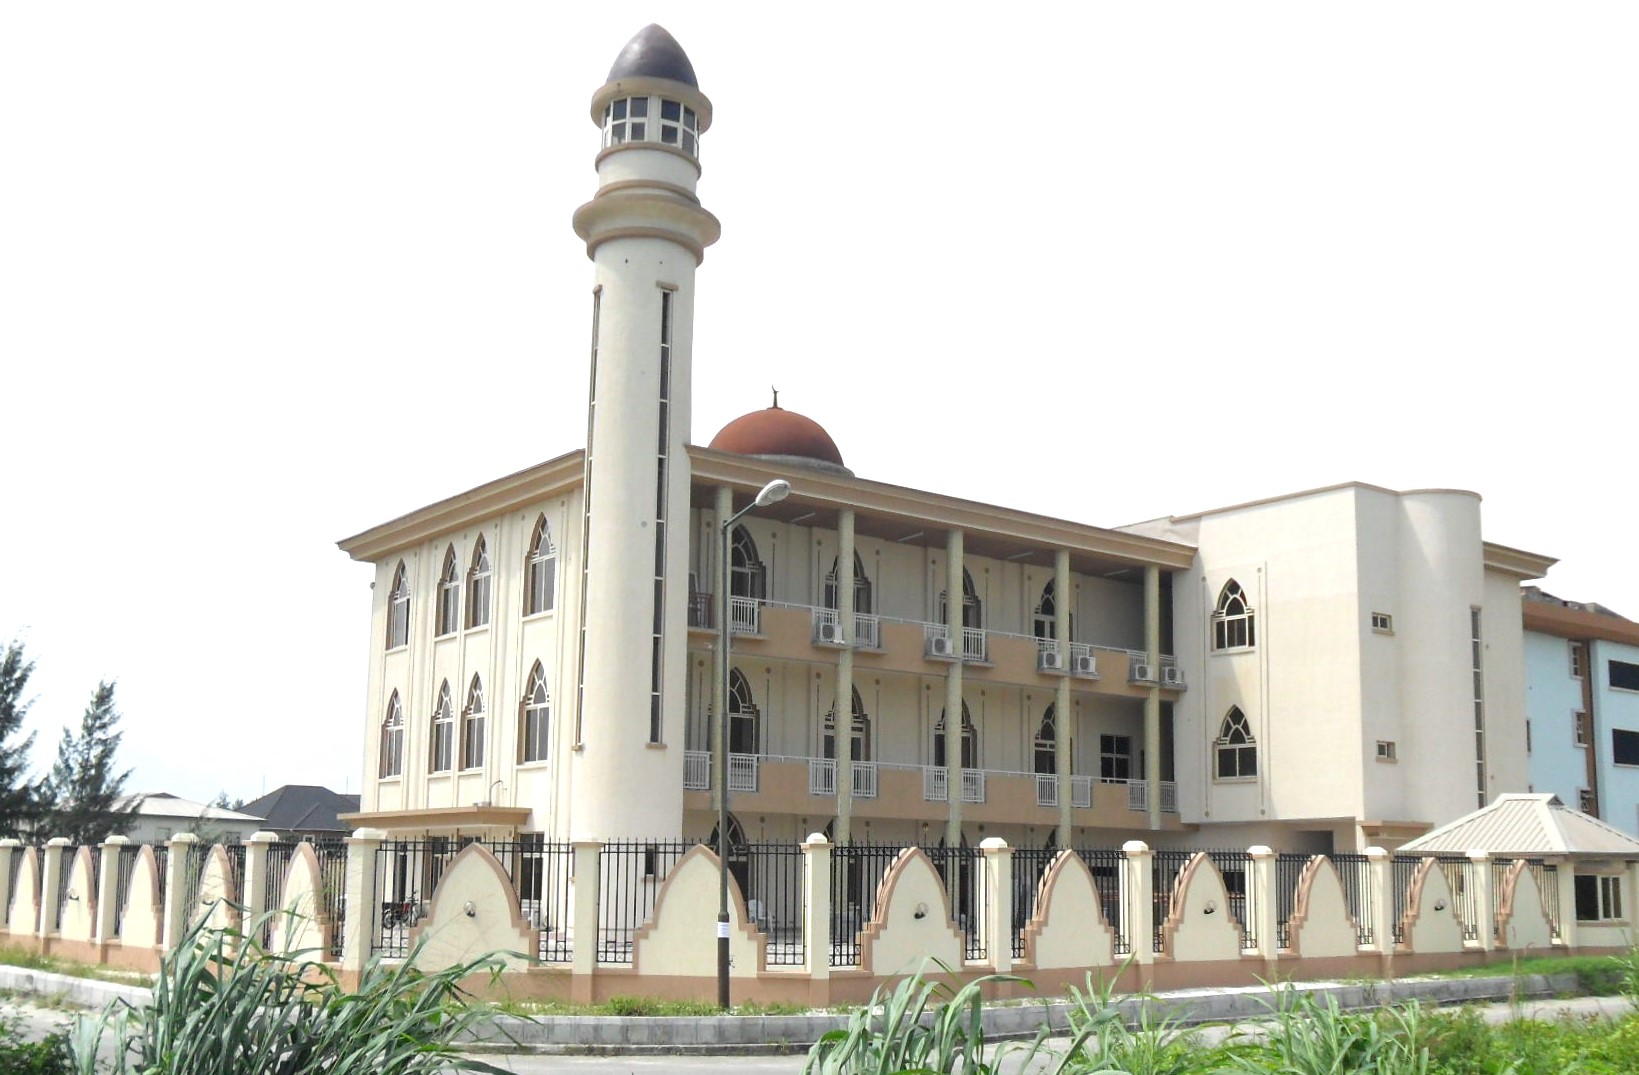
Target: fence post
[(1565, 877), (108, 891), (816, 917), (8, 851), (1380, 889), (1265, 907), (1485, 915), (177, 914), (51, 882), (584, 955), (1138, 903), (360, 907), (996, 912), (253, 886)]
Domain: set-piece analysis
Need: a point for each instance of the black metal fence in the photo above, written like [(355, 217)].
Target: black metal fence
[(1106, 864), (963, 871), (65, 871), (1354, 871), (332, 856), (1403, 872), (856, 873), (124, 869), (630, 875), (1166, 867), (1235, 869), (770, 877), (1030, 866), (274, 875), (234, 883), (162, 874), (192, 874), (12, 875), (1456, 869), (1288, 874), (1547, 879)]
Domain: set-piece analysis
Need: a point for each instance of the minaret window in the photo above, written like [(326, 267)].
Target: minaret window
[(970, 741), (535, 717), (1233, 622), (632, 119), (472, 726), (678, 126), (540, 571), (1237, 751), (626, 120), (862, 587), (441, 757), (449, 594), (391, 762), (398, 609), (479, 579)]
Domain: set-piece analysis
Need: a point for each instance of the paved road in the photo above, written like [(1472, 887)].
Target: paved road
[(38, 1022)]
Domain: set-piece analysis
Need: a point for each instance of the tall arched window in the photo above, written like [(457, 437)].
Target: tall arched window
[(1237, 750), (535, 717), (472, 726), (972, 613), (1047, 744), (398, 609), (1047, 617), (441, 755), (449, 594), (1233, 623), (862, 586), (478, 585), (859, 733), (747, 576), (391, 762), (540, 570), (970, 741), (742, 715)]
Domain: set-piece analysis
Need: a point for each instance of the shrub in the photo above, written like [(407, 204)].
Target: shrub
[(19, 1057)]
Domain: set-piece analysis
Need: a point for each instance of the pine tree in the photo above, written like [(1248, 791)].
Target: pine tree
[(83, 787), (19, 799)]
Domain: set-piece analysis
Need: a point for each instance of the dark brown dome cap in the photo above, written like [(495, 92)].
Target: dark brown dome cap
[(778, 433), (653, 53)]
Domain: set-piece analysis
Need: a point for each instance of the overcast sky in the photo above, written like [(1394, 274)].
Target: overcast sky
[(271, 274)]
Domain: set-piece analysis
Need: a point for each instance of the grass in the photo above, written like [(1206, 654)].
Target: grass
[(647, 1006), (11, 955), (1596, 976)]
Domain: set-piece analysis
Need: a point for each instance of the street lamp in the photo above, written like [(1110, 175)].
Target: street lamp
[(772, 493)]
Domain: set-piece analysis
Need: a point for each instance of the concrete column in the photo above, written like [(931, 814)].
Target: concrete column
[(1565, 880), (845, 677), (1485, 913), (253, 886), (51, 881), (108, 890), (1063, 602), (953, 689), (584, 941), (1262, 903), (995, 908), (1152, 697), (718, 724), (1138, 900), (362, 913), (8, 852), (816, 914), (178, 915), (1380, 883)]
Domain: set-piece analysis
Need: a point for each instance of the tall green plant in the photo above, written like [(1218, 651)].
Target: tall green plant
[(1101, 1040), (222, 1003)]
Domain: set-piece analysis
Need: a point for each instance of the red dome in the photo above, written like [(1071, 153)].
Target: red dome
[(778, 432)]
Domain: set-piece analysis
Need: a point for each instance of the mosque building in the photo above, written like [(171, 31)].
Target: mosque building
[(1316, 671)]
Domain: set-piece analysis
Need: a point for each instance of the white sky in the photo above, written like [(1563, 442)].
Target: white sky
[(271, 274)]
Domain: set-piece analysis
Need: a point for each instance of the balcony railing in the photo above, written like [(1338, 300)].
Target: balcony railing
[(1047, 790), (936, 785), (702, 610), (745, 615), (742, 772), (696, 770), (822, 778), (827, 625), (937, 643), (1138, 796)]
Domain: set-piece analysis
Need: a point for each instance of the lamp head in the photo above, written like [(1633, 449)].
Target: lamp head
[(774, 492)]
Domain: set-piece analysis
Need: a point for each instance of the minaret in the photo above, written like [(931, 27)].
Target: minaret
[(645, 232)]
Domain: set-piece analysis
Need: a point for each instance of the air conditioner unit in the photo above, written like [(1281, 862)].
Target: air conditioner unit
[(831, 632), (1142, 673), (1083, 664), (1172, 676), (941, 646), (1050, 660)]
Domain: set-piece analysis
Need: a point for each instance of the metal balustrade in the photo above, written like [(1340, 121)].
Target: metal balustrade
[(822, 778), (742, 772), (1138, 796), (696, 770), (745, 615)]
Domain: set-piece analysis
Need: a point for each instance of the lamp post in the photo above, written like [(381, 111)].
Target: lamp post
[(772, 493)]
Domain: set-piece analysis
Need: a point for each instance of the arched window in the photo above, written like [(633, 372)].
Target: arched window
[(540, 570), (441, 755), (1236, 749), (862, 587), (971, 610), (1047, 744), (535, 717), (970, 741), (747, 576), (859, 737), (449, 594), (398, 609), (478, 585), (472, 726), (1047, 618), (742, 715), (1233, 623), (391, 762)]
